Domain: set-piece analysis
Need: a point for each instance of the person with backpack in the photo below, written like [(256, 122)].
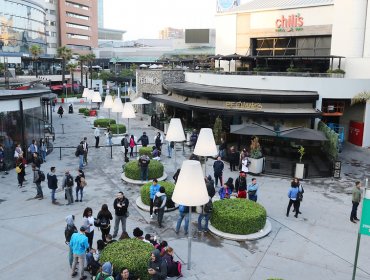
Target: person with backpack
[(60, 111), (104, 217), (125, 142), (158, 140), (143, 139), (81, 183), (205, 214), (38, 177), (153, 189), (86, 150), (69, 230), (36, 159), (52, 183), (173, 267), (132, 145), (160, 200), (106, 272), (157, 267), (120, 206), (144, 167), (183, 213), (80, 154), (79, 245), (67, 186)]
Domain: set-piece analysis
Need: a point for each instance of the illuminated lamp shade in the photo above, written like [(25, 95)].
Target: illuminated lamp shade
[(175, 131), (117, 105), (108, 102), (86, 93), (128, 111), (206, 145), (190, 189), (96, 97)]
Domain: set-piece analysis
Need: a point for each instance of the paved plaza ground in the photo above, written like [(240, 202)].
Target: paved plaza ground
[(320, 244)]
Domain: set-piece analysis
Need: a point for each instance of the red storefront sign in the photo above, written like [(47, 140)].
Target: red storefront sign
[(289, 23), (356, 132)]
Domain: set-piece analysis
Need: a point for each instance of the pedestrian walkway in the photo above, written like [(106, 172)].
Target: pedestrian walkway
[(320, 244)]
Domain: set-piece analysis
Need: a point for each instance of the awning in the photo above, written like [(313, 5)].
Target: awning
[(141, 101), (251, 129), (304, 133)]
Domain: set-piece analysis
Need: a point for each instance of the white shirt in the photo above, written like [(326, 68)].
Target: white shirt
[(97, 132), (245, 165)]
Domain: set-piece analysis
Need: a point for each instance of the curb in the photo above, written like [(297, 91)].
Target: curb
[(237, 237), (146, 208), (139, 182)]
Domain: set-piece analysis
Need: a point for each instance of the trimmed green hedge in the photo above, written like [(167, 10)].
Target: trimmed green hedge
[(83, 110), (169, 187), (132, 170), (121, 128), (131, 253), (104, 122), (238, 216), (146, 151)]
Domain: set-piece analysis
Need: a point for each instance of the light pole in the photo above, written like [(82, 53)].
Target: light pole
[(206, 145)]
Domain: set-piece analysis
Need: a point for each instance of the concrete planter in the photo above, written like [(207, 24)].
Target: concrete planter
[(256, 165), (299, 170)]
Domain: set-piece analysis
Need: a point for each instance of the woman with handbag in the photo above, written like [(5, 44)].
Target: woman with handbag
[(293, 199), (88, 223), (103, 220)]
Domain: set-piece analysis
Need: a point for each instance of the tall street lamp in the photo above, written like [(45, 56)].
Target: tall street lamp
[(175, 133), (206, 145), (128, 113), (117, 106)]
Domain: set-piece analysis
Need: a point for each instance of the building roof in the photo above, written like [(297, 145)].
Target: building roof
[(258, 5)]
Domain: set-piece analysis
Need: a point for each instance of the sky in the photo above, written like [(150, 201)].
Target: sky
[(143, 19)]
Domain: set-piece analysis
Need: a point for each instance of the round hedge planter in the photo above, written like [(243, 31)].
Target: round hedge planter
[(104, 122), (121, 128), (238, 216), (169, 187), (132, 170), (131, 253), (83, 110)]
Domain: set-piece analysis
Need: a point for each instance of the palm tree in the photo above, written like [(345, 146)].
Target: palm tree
[(65, 54), (90, 58), (82, 59), (35, 51), (71, 67)]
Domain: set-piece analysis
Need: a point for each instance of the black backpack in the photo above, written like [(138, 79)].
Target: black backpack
[(69, 231), (104, 222), (208, 207), (157, 201), (41, 176), (69, 181)]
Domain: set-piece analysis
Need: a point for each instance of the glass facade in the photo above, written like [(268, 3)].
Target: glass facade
[(22, 24)]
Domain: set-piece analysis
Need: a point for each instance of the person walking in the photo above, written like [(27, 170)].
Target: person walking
[(292, 194), (52, 183), (300, 194), (160, 200), (69, 230), (205, 214), (88, 223), (97, 136), (356, 199), (252, 190), (80, 154), (143, 139), (132, 145), (158, 140), (218, 169), (86, 150), (153, 189), (81, 183), (120, 206), (20, 169), (60, 111), (125, 143), (104, 217), (43, 149), (79, 245), (37, 179), (183, 213), (144, 166), (32, 148), (233, 158), (67, 186), (222, 148)]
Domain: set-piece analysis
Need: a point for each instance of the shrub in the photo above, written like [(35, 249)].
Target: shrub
[(146, 151), (104, 122), (87, 113), (83, 110), (131, 253), (238, 216), (169, 187), (121, 128), (132, 170)]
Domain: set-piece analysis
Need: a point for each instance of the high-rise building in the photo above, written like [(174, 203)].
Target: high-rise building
[(51, 25), (78, 25), (101, 13)]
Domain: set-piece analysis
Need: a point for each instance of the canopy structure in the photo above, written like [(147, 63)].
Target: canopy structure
[(141, 101), (251, 129), (304, 133)]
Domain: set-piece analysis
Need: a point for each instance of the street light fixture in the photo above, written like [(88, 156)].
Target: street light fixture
[(128, 112), (117, 106), (206, 146), (175, 133)]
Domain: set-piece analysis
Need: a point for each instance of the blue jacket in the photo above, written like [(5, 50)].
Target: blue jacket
[(153, 190), (292, 193), (79, 243), (222, 193)]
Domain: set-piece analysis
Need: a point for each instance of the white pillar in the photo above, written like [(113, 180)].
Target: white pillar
[(366, 137)]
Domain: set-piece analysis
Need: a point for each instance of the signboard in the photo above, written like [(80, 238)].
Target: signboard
[(337, 169), (243, 105), (365, 218), (289, 23)]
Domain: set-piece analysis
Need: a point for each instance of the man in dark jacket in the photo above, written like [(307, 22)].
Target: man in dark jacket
[(193, 139), (157, 267), (210, 184), (36, 159), (37, 181), (125, 142), (144, 166), (144, 140), (241, 185), (52, 183), (218, 169), (120, 205)]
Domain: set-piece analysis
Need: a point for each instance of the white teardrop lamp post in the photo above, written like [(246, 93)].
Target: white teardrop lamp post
[(206, 145), (96, 98), (190, 190), (175, 133), (86, 94), (128, 113), (108, 103), (117, 107)]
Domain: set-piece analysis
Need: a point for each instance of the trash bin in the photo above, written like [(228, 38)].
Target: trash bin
[(92, 113), (70, 109)]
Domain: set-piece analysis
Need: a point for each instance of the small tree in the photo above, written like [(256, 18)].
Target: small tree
[(71, 67), (82, 59), (35, 51), (65, 54), (255, 148), (301, 152), (90, 59), (217, 130)]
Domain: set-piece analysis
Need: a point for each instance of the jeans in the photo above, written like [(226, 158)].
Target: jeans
[(252, 197), (206, 217), (144, 173), (118, 219), (126, 152), (69, 194), (97, 141), (221, 153), (132, 152), (354, 210), (81, 260), (85, 157), (43, 155), (90, 238), (53, 195), (218, 177), (169, 149), (81, 163), (39, 189), (81, 191), (70, 256), (179, 221), (160, 213), (104, 233), (151, 206)]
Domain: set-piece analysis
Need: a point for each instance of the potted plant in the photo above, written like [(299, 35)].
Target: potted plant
[(299, 167), (255, 157)]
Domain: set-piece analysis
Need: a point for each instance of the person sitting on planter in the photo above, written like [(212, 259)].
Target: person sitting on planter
[(138, 233), (224, 192), (125, 274), (241, 185), (230, 184), (252, 190), (156, 154), (157, 267), (173, 267), (106, 273)]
